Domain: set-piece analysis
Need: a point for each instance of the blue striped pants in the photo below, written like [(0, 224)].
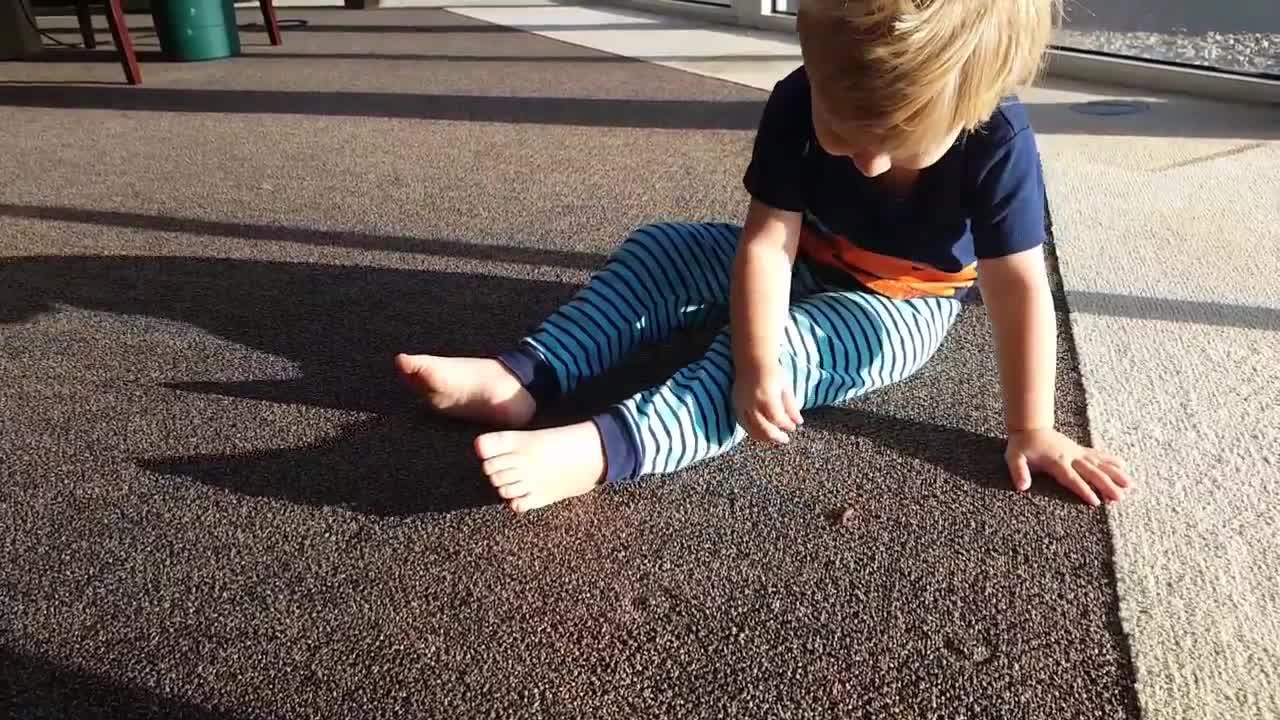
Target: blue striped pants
[(838, 344)]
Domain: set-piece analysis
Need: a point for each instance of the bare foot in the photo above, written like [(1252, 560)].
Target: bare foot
[(531, 469), (477, 389)]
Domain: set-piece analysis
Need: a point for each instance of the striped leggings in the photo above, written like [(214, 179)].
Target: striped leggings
[(838, 344)]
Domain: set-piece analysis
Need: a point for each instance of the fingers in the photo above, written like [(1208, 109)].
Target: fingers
[(750, 421), (767, 422), (781, 416), (791, 407), (1072, 481), (767, 412), (767, 431), (1098, 457), (760, 428), (1100, 480), (1114, 469), (776, 413), (1093, 475), (1021, 473)]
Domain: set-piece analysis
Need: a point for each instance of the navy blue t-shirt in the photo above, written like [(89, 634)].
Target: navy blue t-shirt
[(984, 198)]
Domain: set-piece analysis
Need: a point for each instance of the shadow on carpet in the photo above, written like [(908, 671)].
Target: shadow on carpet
[(340, 327)]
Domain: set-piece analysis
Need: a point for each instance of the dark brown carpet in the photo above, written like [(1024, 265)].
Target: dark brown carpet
[(216, 503)]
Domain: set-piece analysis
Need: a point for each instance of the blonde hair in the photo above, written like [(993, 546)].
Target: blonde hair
[(911, 69)]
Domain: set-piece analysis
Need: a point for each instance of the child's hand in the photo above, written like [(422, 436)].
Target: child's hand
[(1085, 472), (764, 404)]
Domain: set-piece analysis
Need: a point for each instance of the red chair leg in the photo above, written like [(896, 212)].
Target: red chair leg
[(269, 20), (124, 43), (86, 24)]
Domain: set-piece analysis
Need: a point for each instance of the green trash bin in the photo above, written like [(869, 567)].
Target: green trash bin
[(196, 29)]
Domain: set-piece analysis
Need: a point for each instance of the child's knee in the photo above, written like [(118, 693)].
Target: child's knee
[(654, 236), (665, 235)]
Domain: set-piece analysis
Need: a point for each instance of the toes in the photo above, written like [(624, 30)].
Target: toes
[(515, 491), (530, 501), (504, 477), (491, 445), (408, 364), (498, 463)]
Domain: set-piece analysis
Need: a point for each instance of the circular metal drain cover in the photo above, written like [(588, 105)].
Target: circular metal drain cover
[(1111, 107)]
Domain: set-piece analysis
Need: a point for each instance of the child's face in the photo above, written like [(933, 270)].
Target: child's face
[(866, 151)]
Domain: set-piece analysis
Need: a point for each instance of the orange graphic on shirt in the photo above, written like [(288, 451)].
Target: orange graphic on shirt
[(890, 276)]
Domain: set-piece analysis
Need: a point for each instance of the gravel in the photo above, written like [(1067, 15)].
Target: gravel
[(1239, 51)]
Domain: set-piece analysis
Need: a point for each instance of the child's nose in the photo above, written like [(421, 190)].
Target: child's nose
[(872, 165)]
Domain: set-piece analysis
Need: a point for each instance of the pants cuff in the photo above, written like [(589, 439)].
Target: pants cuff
[(621, 451), (533, 372)]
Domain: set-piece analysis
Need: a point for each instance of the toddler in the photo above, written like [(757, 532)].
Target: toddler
[(891, 173)]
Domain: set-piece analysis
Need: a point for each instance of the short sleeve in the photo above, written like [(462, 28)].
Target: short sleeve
[(776, 173), (1009, 213)]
